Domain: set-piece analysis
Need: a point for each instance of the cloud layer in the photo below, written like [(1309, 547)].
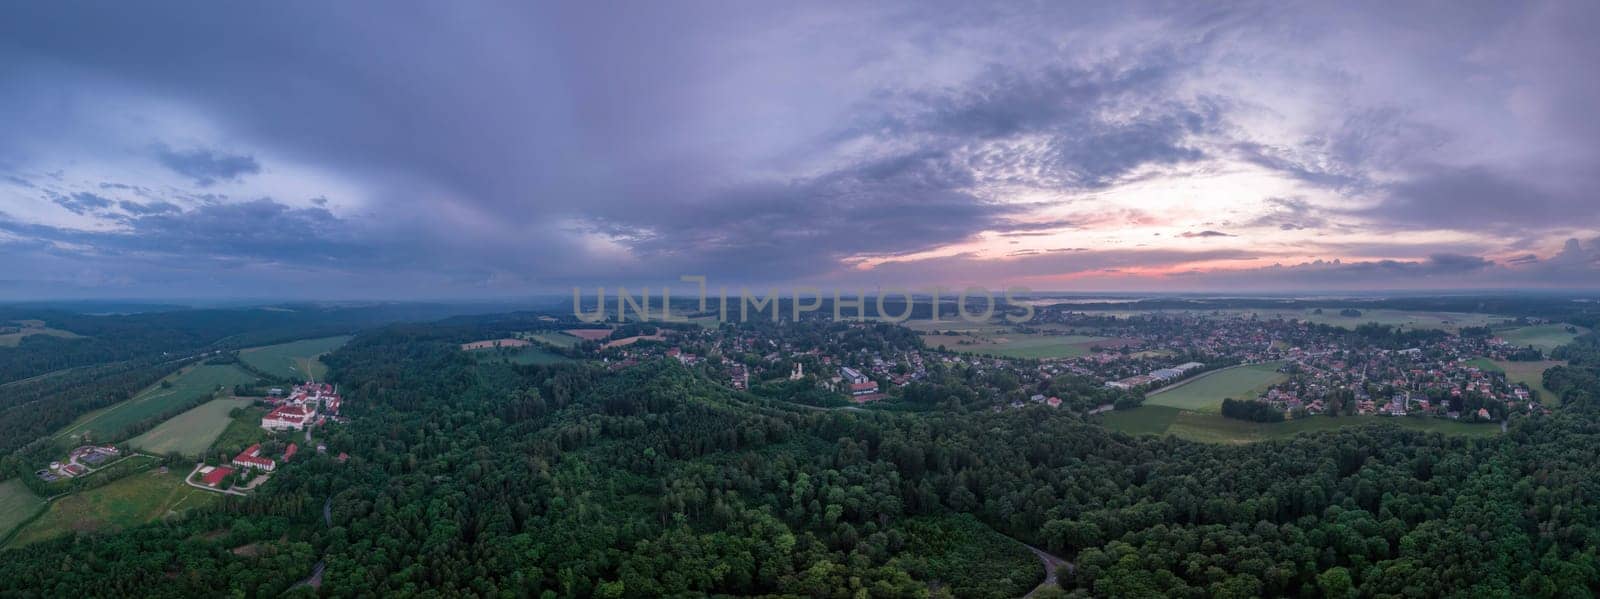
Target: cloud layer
[(423, 150)]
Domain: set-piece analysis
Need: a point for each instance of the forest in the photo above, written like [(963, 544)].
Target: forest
[(572, 480)]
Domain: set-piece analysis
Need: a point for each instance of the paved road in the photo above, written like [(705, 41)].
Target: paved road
[(1050, 562), (315, 579)]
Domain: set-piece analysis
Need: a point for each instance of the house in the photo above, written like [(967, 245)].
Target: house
[(289, 416), (213, 476), (251, 458)]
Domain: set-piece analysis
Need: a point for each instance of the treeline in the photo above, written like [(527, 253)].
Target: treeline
[(120, 337), (1247, 409), (571, 481)]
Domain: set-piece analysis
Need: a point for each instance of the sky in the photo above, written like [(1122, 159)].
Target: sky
[(398, 150)]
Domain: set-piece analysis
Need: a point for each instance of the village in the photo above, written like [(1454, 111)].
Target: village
[(306, 406), (1320, 369)]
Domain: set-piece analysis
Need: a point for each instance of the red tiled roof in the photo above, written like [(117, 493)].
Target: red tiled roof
[(215, 476)]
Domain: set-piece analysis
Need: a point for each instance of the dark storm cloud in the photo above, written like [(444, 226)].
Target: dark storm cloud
[(533, 144), (253, 230), (803, 228), (1081, 113), (207, 166)]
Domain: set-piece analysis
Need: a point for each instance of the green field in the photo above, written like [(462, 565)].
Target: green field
[(133, 500), (1029, 346), (1144, 420), (242, 431), (30, 327), (191, 432), (1545, 337), (296, 360), (556, 339), (1213, 428), (1528, 373), (186, 386), (1204, 392), (17, 505)]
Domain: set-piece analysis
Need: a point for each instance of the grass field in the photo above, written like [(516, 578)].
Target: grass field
[(556, 339), (1032, 346), (297, 360), (136, 499), (1144, 420), (1545, 337), (17, 505), (241, 432), (1213, 428), (30, 327), (1529, 373), (191, 432), (186, 386), (1204, 392)]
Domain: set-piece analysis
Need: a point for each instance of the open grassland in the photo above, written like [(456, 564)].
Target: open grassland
[(556, 339), (25, 328), (242, 431), (1144, 420), (1532, 375), (1213, 428), (531, 354), (179, 389), (17, 505), (1205, 392), (130, 501), (191, 432), (1031, 346), (298, 360), (1545, 337)]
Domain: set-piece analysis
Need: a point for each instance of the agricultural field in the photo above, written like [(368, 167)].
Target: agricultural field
[(191, 432), (1205, 392), (242, 431), (132, 500), (11, 333), (1213, 428), (298, 360), (1529, 373), (556, 339), (1144, 420), (177, 390), (1545, 337), (1031, 346), (17, 505), (530, 354)]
